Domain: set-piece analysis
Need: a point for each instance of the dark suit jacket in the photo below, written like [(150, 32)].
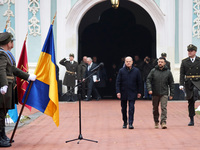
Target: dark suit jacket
[(129, 83), (188, 69), (88, 72)]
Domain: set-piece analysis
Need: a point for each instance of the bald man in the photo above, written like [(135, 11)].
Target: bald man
[(128, 88)]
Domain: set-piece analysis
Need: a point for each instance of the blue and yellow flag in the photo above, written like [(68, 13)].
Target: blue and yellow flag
[(44, 91)]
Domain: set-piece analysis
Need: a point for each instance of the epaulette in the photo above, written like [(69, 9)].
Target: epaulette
[(184, 58)]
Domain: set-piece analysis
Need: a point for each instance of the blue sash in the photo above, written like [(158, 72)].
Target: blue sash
[(9, 54)]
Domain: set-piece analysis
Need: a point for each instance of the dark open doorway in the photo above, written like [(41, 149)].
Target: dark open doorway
[(110, 34)]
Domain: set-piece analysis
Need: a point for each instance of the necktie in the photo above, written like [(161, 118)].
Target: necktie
[(192, 60), (88, 67)]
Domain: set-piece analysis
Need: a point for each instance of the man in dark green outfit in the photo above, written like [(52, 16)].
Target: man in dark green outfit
[(8, 71)]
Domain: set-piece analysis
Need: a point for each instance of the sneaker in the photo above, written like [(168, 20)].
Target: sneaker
[(156, 125), (164, 126)]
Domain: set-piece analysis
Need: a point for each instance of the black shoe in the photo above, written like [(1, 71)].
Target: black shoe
[(86, 99), (131, 126), (124, 126), (98, 98), (4, 136), (191, 123), (4, 143)]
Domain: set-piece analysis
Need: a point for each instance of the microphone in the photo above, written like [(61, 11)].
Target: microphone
[(97, 67)]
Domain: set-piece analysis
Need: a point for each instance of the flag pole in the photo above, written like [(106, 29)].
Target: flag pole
[(21, 112), (22, 109), (54, 18), (7, 23), (26, 36)]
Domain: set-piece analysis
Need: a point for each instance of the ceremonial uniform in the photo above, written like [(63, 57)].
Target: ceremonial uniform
[(71, 72), (190, 79), (8, 71)]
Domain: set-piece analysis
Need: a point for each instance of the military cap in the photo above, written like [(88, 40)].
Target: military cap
[(164, 55), (71, 55), (5, 38), (191, 47)]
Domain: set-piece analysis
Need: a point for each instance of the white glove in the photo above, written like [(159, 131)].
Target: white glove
[(181, 87), (4, 89), (32, 77)]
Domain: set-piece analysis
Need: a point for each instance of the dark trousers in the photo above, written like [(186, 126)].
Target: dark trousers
[(130, 112), (191, 102), (3, 113), (70, 88), (91, 88)]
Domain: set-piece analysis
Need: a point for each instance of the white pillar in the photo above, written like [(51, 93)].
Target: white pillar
[(21, 25), (45, 19), (63, 8), (185, 27)]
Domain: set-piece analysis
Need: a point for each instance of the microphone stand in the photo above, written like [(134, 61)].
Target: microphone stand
[(80, 137)]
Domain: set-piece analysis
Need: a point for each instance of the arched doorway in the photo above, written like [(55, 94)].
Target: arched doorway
[(110, 34), (78, 11)]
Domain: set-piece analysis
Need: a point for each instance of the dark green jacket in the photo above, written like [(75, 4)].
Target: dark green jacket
[(8, 71), (159, 81)]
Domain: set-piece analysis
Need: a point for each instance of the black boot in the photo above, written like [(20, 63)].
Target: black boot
[(191, 123), (4, 143), (4, 136)]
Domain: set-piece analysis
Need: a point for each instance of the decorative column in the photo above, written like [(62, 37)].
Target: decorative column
[(196, 24), (8, 18), (34, 30)]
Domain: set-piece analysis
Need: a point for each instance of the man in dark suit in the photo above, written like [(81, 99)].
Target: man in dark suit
[(190, 79), (128, 88), (8, 73), (90, 81)]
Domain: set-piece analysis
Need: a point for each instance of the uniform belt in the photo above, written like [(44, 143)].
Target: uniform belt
[(70, 72), (193, 76), (10, 77)]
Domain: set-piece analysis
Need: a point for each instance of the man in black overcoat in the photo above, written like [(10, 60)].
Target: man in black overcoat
[(128, 88)]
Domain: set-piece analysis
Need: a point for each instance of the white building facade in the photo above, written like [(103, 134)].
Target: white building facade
[(177, 24)]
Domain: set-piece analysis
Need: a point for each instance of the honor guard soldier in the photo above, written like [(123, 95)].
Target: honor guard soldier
[(71, 73), (8, 71), (190, 79)]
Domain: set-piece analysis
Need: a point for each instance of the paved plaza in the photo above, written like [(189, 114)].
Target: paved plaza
[(101, 121)]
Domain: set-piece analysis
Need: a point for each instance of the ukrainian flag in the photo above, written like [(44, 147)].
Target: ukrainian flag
[(44, 91)]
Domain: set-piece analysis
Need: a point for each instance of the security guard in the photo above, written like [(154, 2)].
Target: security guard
[(71, 73), (8, 71), (190, 79)]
